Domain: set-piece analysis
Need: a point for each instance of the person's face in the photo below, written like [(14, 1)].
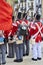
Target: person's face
[(34, 18), (1, 33)]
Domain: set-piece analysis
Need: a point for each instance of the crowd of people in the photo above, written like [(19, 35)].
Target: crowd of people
[(19, 37)]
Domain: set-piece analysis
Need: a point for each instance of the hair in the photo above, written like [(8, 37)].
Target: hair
[(12, 17), (24, 15), (1, 33), (19, 15), (37, 16)]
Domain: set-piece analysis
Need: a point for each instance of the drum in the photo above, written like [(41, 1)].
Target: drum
[(11, 40), (19, 40), (32, 41), (1, 43)]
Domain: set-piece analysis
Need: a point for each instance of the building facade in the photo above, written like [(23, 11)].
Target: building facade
[(28, 4), (42, 8)]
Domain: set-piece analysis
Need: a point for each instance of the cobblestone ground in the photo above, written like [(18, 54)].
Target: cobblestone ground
[(26, 60)]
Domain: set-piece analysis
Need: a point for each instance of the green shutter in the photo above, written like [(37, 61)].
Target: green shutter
[(16, 1)]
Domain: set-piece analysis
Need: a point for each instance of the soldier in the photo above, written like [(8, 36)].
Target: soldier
[(26, 37), (36, 37), (2, 47), (19, 47), (19, 15), (6, 38), (10, 47), (19, 42), (11, 38)]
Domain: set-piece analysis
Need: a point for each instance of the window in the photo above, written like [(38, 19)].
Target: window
[(30, 0), (16, 1), (31, 5), (21, 0), (28, 4), (32, 14)]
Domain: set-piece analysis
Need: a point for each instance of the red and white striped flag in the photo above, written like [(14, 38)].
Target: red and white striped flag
[(5, 15)]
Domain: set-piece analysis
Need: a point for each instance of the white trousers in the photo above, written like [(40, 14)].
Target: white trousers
[(36, 50)]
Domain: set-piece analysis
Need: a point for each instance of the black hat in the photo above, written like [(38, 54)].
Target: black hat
[(19, 15)]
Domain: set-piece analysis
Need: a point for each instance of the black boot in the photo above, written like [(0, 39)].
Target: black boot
[(15, 60), (27, 54), (24, 54), (19, 60), (39, 58), (10, 57), (0, 63), (34, 59), (4, 63)]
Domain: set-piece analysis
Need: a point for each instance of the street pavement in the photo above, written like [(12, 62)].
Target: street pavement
[(26, 60)]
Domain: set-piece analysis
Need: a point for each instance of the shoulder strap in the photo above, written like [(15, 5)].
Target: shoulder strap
[(39, 30)]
